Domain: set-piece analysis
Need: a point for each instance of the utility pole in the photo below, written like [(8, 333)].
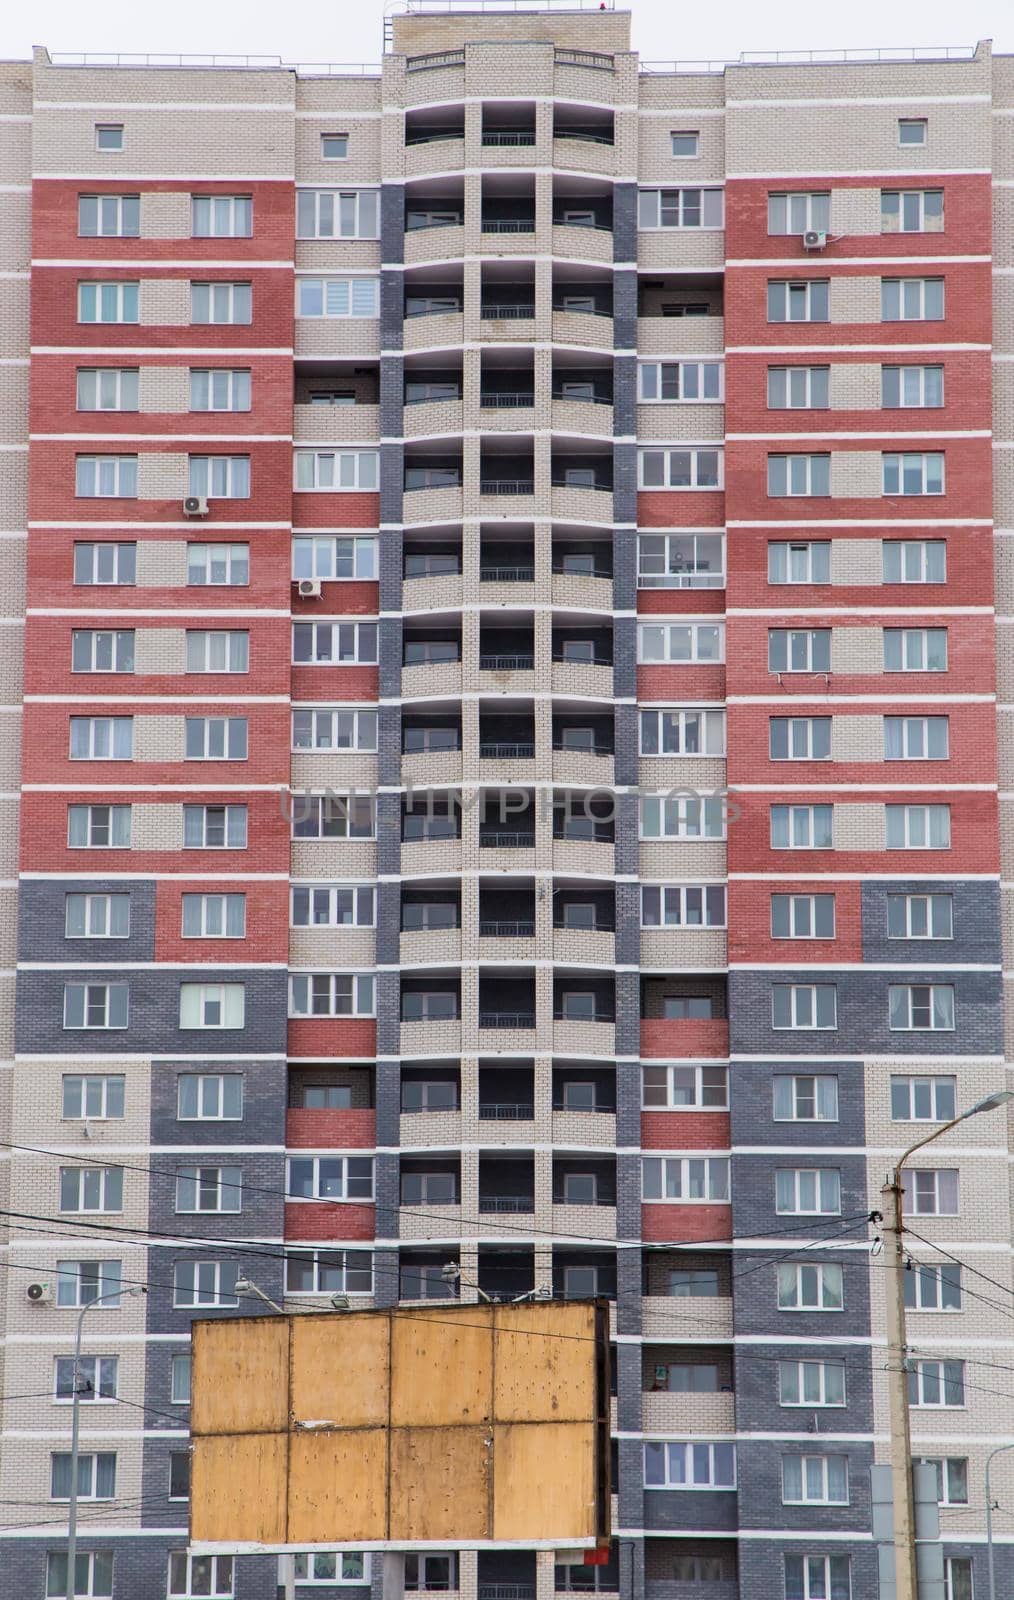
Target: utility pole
[(999, 1451)]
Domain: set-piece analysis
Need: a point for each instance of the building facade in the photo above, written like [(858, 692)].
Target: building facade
[(508, 590)]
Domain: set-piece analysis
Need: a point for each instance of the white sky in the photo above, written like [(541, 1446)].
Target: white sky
[(352, 30)]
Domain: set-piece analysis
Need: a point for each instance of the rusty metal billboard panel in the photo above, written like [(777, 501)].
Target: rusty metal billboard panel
[(449, 1425)]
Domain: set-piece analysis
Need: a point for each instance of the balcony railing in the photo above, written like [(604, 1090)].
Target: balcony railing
[(508, 136), (584, 134), (494, 311), (597, 484), (595, 1016), (582, 661), (583, 749), (506, 1019), (512, 661), (580, 58), (507, 486), (508, 224), (506, 1591), (506, 839), (592, 572), (585, 927), (506, 400), (507, 1202), (506, 1111), (435, 58), (500, 928), (586, 399), (491, 574), (434, 136), (501, 750)]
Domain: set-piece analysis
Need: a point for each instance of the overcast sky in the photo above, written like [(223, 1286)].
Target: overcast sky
[(352, 30)]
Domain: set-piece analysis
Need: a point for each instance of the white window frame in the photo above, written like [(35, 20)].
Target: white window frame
[(114, 388), (802, 917), (899, 468), (912, 212), (914, 736), (346, 811), (916, 819), (116, 216), (799, 470), (225, 304), (912, 294), (682, 1079), (670, 634), (227, 1000), (232, 816), (209, 1293), (106, 136), (818, 1080), (682, 817), (711, 456), (799, 388), (923, 925), (679, 572), (931, 1085), (338, 642), (88, 990), (798, 299), (931, 1192), (334, 1263), (100, 1082), (327, 897), (799, 559), (221, 1576), (98, 916), (914, 649), (91, 817), (913, 382), (107, 1191), (214, 913), (905, 999), (93, 552), (808, 1286), (205, 732), (214, 1190), (179, 1388), (920, 123), (712, 1173), (90, 1493), (325, 724), (323, 213), (105, 477), (685, 905), (106, 1278), (818, 1579), (210, 1092), (967, 1579), (798, 211), (801, 737), (921, 549), (929, 1283), (307, 1576), (795, 1185), (231, 559), (944, 1375), (950, 1470), (335, 471), (813, 1465), (804, 999), (219, 477), (221, 216), (324, 156), (685, 133), (224, 389), (318, 556), (684, 726), (311, 992), (798, 1372), (93, 643), (121, 296), (679, 204), (339, 297), (340, 1175), (697, 1453), (803, 643), (101, 739), (707, 373), (201, 643), (795, 815)]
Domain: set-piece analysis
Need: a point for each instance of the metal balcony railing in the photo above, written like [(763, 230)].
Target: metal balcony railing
[(566, 572), (494, 311), (508, 224), (508, 136), (506, 1019), (584, 58), (585, 134), (506, 399), (596, 1016), (507, 486), (502, 928), (435, 58), (583, 661), (506, 1591), (585, 927), (506, 839), (434, 136), (517, 1203), (504, 750), (514, 661), (583, 749), (506, 1111), (586, 399), (598, 486), (491, 574)]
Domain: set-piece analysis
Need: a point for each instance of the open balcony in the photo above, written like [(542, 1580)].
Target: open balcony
[(507, 392), (584, 831), (506, 1185), (431, 656), (506, 1008), (432, 395), (583, 745), (506, 1101), (430, 1197), (584, 1012), (683, 1016), (680, 314), (582, 656), (583, 1274), (508, 133), (432, 485), (431, 832), (583, 219), (435, 220), (687, 1295), (582, 482), (584, 1103), (584, 922), (507, 301), (330, 1107), (584, 137), (506, 1272), (507, 651), (507, 477), (508, 212), (422, 1278), (582, 564), (506, 740), (431, 744), (507, 829), (506, 919), (430, 922), (434, 140), (432, 570), (433, 307), (582, 306), (582, 396), (506, 1575), (430, 1103), (430, 1013), (506, 563), (336, 402)]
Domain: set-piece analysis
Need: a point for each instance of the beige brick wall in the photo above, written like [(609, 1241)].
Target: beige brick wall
[(161, 475), (859, 825), (340, 949), (854, 298), (695, 948), (13, 489), (156, 825), (854, 386), (165, 142), (12, 638), (159, 739), (13, 405), (15, 236), (164, 303), (161, 564), (856, 475), (165, 214), (163, 389), (682, 860), (855, 211), (856, 739), (160, 651), (13, 307), (678, 423), (656, 163), (332, 860), (856, 562), (38, 1102), (857, 649)]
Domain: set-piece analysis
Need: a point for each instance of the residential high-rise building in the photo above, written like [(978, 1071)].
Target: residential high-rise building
[(515, 556)]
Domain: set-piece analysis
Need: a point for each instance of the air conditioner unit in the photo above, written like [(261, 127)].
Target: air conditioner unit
[(195, 505), (814, 239), (309, 588), (40, 1294)]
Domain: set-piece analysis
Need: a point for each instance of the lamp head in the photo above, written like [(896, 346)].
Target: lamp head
[(991, 1102)]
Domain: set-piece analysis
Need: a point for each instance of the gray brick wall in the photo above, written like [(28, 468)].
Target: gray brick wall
[(264, 1096), (976, 922), (42, 921)]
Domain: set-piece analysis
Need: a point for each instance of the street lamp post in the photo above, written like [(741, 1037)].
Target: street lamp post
[(892, 1195), (75, 1425), (989, 1519)]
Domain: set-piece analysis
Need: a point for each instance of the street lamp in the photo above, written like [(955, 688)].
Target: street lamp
[(451, 1274), (246, 1286), (75, 1424), (892, 1195), (989, 1519)]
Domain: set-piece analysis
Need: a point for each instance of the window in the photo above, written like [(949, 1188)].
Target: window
[(686, 1178), (332, 1566), (329, 1178), (685, 144), (914, 472), (922, 1099), (179, 1475), (205, 1283), (930, 1192), (95, 1005), (108, 216), (219, 389), (214, 916), (101, 738), (337, 297), (326, 1097), (799, 212), (799, 475), (686, 1378), (102, 650), (817, 1577), (680, 208), (324, 556), (952, 1478), (688, 817), (91, 1189), (921, 1005), (78, 1283), (429, 1005), (798, 300), (107, 389), (809, 1287), (912, 131), (933, 1288), (328, 1272), (333, 816), (915, 560), (337, 214), (920, 916), (116, 301), (96, 1475), (108, 136), (911, 299), (685, 1088), (221, 303), (334, 644), (936, 1383), (670, 732), (679, 380), (799, 649), (811, 1383), (681, 1007), (687, 642), (680, 561), (802, 916), (199, 1575), (212, 1005), (339, 905), (334, 146), (214, 827), (331, 994), (218, 650), (209, 1097), (219, 477), (798, 388), (431, 1571), (218, 565), (918, 827), (221, 216), (915, 649), (916, 387), (430, 1189), (209, 1189), (815, 1480), (804, 562), (336, 469), (805, 1098), (93, 1569), (958, 1578), (801, 827), (94, 1098), (179, 1379), (678, 468), (97, 1377), (334, 728), (915, 738), (215, 738), (911, 210), (683, 905), (96, 916), (105, 477), (808, 1192), (105, 563), (799, 738), (690, 1283), (691, 1465)]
